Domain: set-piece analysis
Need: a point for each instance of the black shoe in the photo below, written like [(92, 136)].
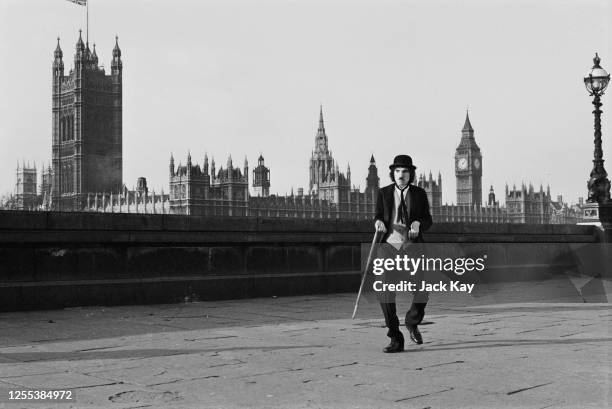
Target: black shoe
[(396, 345), (415, 334)]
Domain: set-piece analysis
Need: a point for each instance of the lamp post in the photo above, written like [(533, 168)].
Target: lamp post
[(598, 184)]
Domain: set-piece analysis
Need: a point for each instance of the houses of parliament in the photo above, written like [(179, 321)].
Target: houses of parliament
[(86, 169)]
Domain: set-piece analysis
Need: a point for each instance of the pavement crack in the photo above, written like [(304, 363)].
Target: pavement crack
[(206, 338), (484, 322), (423, 395), (183, 380), (32, 374), (528, 388), (100, 348), (338, 366), (96, 385), (528, 330), (300, 329), (227, 364), (441, 364)]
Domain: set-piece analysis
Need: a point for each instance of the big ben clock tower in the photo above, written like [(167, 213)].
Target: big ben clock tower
[(468, 167)]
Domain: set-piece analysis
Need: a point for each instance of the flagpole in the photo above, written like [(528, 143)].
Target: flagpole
[(87, 23)]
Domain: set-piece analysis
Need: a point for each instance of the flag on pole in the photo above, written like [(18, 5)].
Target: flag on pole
[(86, 4)]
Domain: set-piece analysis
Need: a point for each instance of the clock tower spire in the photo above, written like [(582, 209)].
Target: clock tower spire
[(468, 167)]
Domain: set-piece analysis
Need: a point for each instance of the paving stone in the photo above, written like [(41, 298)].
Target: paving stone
[(305, 352)]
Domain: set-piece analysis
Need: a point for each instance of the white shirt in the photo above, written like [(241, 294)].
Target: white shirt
[(396, 203), (399, 230)]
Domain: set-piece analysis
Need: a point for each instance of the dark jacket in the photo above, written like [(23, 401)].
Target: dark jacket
[(419, 209)]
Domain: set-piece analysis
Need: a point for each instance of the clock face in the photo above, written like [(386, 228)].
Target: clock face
[(462, 164), (477, 163)]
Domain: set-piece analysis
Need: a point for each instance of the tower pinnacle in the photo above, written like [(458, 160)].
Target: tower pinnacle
[(321, 125), (58, 50), (116, 50), (321, 138), (80, 46), (467, 127), (116, 64)]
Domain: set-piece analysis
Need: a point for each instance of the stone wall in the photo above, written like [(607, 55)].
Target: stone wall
[(56, 260)]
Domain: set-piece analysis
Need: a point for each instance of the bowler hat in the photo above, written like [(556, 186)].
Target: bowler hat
[(402, 161)]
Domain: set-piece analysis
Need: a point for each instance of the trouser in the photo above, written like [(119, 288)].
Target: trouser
[(415, 314)]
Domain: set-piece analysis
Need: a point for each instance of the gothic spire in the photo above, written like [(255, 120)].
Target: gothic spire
[(321, 125), (58, 54), (468, 143), (116, 50), (80, 46), (321, 138), (116, 64), (58, 64), (467, 127)]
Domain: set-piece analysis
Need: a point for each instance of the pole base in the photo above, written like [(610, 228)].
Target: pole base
[(605, 216)]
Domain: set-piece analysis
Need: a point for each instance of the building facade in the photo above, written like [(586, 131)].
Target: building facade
[(525, 205), (87, 127), (468, 176), (468, 168), (204, 190), (198, 190), (86, 171), (26, 194), (326, 180), (261, 178)]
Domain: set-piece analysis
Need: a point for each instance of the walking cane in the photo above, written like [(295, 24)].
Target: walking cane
[(365, 271)]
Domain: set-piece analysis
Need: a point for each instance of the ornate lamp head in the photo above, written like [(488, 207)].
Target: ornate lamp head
[(597, 80)]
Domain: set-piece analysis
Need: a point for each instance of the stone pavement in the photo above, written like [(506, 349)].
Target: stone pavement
[(306, 352)]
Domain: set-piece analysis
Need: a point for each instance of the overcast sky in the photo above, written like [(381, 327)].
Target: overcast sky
[(244, 77)]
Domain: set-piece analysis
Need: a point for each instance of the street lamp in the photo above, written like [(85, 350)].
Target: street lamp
[(598, 184)]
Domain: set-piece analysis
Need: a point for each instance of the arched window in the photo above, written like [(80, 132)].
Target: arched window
[(70, 182), (63, 179)]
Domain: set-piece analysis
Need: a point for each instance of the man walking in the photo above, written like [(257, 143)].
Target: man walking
[(402, 214)]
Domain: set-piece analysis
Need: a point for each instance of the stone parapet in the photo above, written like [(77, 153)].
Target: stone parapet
[(56, 260)]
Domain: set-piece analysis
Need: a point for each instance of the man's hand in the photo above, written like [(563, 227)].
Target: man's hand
[(413, 233), (379, 226)]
